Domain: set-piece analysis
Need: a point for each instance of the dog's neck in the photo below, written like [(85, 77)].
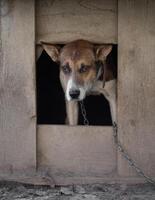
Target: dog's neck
[(100, 74), (104, 72), (100, 70)]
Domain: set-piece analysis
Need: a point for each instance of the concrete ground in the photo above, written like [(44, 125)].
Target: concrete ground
[(12, 191)]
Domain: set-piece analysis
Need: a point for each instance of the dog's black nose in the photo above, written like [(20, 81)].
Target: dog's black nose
[(74, 94)]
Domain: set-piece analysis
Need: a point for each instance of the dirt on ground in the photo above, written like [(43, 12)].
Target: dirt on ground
[(12, 191)]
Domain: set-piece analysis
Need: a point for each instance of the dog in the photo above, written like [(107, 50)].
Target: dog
[(83, 71)]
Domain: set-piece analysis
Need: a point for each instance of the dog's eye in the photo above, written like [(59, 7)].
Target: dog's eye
[(66, 69), (84, 68)]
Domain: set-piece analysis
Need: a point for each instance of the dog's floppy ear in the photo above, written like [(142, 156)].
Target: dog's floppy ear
[(102, 51), (52, 50)]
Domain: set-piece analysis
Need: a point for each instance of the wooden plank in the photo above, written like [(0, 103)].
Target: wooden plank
[(17, 86), (136, 92), (64, 21), (48, 180), (68, 152)]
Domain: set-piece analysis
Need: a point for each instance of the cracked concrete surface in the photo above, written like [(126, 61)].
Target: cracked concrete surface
[(17, 191)]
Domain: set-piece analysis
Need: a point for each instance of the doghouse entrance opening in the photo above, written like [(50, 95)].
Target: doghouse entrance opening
[(51, 100)]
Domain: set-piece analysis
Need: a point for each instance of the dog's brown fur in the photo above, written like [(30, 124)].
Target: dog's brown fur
[(78, 64), (77, 53)]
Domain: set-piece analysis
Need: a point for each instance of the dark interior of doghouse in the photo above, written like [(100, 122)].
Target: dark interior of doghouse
[(51, 100)]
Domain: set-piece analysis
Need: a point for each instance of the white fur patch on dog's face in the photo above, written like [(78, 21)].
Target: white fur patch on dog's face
[(83, 92), (71, 85)]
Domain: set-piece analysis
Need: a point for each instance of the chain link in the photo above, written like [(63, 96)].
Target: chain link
[(128, 158), (84, 114), (119, 146)]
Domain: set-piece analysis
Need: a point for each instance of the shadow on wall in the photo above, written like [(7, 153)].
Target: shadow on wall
[(51, 100)]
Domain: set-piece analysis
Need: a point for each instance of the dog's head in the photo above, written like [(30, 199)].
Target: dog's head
[(78, 68)]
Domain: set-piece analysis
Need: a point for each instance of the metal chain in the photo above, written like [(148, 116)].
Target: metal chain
[(119, 146), (128, 158), (84, 114)]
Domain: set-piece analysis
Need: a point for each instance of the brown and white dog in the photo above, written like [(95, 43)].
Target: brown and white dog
[(82, 66)]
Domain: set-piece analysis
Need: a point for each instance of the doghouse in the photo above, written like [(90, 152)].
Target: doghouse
[(59, 154)]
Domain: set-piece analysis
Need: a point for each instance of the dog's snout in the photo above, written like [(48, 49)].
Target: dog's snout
[(74, 94)]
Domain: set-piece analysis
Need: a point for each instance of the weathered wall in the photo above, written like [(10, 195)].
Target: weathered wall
[(67, 20), (17, 86), (136, 83), (76, 152), (65, 152)]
